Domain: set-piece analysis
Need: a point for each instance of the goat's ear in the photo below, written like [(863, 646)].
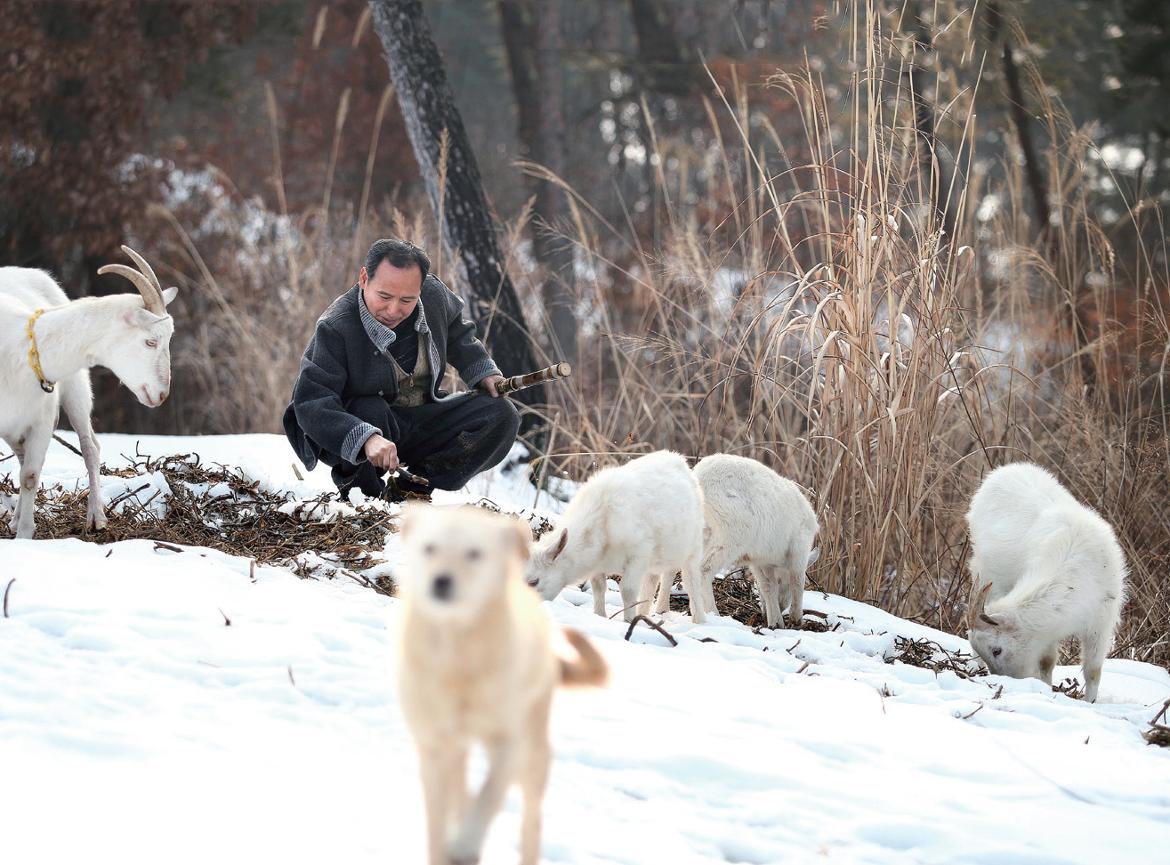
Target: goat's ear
[(138, 317), (169, 295), (560, 545)]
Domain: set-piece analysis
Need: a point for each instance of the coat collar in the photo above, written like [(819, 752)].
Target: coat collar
[(381, 336)]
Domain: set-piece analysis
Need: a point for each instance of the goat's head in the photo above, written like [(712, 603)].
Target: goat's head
[(141, 357), (1005, 647), (547, 571)]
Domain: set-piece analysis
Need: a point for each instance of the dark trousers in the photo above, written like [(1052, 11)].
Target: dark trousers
[(448, 443)]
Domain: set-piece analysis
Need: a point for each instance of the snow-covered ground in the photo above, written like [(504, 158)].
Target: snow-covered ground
[(138, 726)]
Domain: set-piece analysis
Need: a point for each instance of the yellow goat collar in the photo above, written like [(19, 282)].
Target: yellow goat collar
[(34, 356)]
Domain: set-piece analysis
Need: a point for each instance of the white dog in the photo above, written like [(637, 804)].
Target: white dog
[(477, 666)]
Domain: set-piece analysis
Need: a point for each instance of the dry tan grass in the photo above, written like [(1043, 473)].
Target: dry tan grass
[(814, 317)]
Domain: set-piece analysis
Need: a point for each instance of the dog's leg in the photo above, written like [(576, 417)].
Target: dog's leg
[(458, 786), (597, 584), (438, 774), (468, 841), (533, 780)]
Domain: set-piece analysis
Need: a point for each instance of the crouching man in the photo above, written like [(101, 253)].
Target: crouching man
[(367, 398)]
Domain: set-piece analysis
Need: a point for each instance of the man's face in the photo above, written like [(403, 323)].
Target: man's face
[(391, 294)]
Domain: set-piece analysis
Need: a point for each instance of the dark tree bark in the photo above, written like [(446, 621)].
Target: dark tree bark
[(1075, 317), (664, 63), (935, 173), (1033, 173), (429, 111), (532, 37)]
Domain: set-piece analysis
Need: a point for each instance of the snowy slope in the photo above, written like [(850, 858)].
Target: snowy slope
[(137, 726)]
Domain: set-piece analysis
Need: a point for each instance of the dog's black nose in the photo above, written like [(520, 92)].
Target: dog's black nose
[(441, 588)]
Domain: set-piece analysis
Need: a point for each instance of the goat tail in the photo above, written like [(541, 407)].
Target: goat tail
[(589, 668)]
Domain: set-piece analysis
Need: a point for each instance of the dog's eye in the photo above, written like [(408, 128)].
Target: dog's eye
[(429, 550), (995, 653), (473, 554)]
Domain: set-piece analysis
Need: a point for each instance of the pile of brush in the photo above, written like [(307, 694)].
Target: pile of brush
[(218, 507), (931, 656)]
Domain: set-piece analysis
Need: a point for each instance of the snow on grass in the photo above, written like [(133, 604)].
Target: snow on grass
[(162, 706)]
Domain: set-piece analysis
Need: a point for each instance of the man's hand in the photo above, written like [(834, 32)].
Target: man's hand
[(492, 384), (381, 452)]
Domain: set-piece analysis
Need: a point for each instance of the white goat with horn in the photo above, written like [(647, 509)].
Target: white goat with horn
[(47, 345), (1044, 568)]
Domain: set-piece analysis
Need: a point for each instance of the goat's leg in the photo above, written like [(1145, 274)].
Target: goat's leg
[(1048, 662), (794, 570), (665, 584), (36, 444), (692, 580), (711, 559), (1094, 646), (769, 583), (77, 399), (597, 584), (631, 588), (18, 452)]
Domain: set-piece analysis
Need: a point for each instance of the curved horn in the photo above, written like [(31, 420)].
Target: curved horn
[(151, 296), (978, 606), (143, 265)]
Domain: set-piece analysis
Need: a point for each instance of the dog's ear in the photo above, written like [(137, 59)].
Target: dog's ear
[(412, 515), (519, 534), (560, 545)]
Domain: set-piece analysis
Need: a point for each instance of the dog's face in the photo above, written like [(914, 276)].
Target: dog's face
[(458, 559)]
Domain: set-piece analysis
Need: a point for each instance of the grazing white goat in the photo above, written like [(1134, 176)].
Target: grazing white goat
[(1044, 568), (643, 520), (47, 345), (757, 518)]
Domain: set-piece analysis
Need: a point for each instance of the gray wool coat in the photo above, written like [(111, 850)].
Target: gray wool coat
[(343, 362)]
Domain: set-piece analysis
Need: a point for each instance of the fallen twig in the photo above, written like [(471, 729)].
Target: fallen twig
[(652, 624), (7, 589), (64, 443), (122, 496)]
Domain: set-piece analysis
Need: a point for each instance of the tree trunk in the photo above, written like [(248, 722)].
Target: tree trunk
[(664, 64), (930, 162), (1015, 93), (538, 86), (429, 111)]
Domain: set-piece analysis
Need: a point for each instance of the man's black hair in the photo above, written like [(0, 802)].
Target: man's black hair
[(400, 253)]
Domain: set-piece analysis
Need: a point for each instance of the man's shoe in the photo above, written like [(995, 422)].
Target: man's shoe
[(366, 479), (401, 489)]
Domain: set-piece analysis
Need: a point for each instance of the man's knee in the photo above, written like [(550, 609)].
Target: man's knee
[(507, 415)]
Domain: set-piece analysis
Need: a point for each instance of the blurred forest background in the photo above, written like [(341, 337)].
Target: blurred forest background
[(882, 246)]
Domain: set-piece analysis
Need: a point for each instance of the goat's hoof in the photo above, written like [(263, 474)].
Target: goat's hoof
[(95, 524)]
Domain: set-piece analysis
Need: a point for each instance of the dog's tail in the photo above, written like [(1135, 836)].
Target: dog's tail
[(588, 669)]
